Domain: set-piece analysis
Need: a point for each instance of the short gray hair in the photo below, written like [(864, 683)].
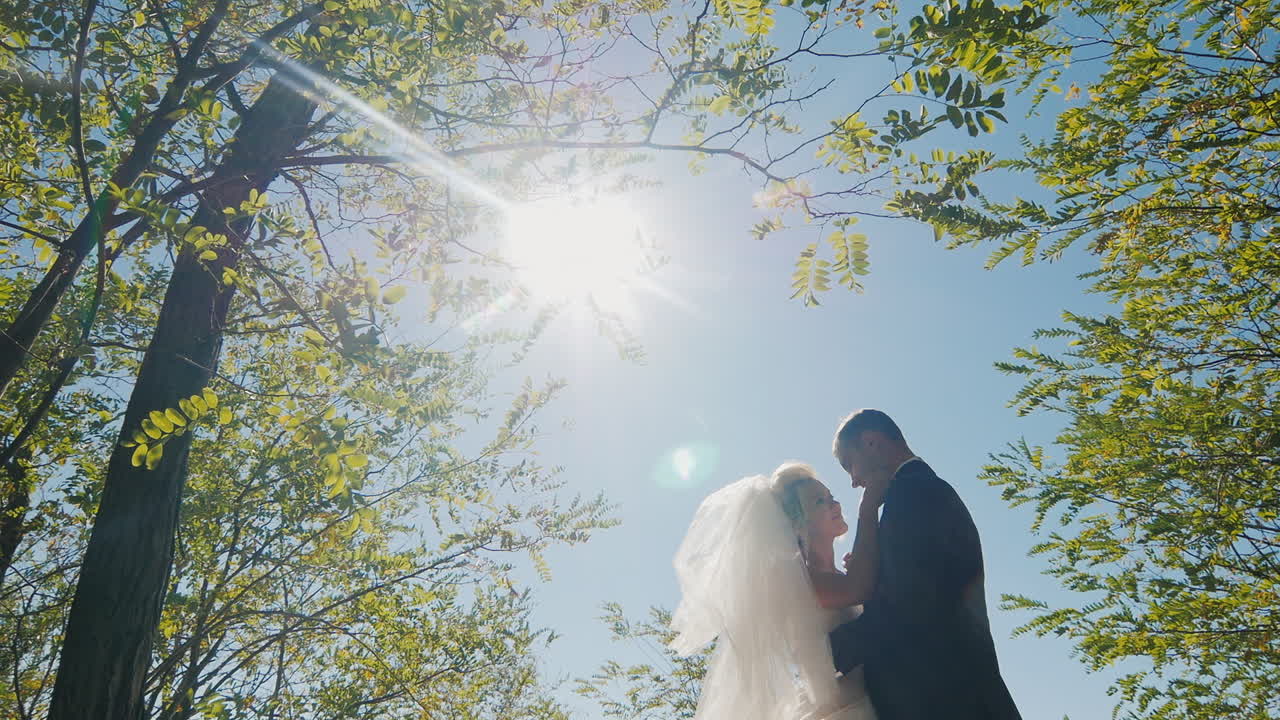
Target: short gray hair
[(860, 421)]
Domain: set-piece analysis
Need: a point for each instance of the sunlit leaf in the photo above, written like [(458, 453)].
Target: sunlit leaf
[(153, 455)]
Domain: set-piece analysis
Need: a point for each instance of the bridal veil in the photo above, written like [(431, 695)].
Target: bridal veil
[(744, 584)]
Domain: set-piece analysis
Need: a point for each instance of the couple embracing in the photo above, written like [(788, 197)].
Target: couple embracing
[(901, 634)]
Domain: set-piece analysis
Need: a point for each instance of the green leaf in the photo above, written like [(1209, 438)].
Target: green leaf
[(161, 421), (139, 455), (194, 233), (720, 104), (356, 461), (336, 482), (332, 462), (953, 94), (393, 294), (153, 455), (954, 115), (352, 525)]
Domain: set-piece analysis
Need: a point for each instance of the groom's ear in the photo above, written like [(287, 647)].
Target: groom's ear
[(875, 441)]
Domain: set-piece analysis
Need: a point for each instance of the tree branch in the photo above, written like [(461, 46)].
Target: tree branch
[(34, 233), (222, 74), (77, 126), (742, 157)]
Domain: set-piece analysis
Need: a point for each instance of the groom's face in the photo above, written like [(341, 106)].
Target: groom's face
[(861, 458), (853, 459)]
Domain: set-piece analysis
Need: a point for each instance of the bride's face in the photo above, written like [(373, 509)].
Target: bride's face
[(822, 512)]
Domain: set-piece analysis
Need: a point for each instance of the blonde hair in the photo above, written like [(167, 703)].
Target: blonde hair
[(786, 483)]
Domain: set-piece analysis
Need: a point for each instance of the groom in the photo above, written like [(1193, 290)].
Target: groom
[(923, 638)]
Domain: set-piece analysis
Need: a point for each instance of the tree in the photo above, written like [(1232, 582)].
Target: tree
[(379, 590), (667, 687), (1164, 504), (102, 666)]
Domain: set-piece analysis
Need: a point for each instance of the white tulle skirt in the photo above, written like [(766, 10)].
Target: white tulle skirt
[(854, 702)]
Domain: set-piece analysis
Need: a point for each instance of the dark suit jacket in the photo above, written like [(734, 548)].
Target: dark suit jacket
[(923, 638)]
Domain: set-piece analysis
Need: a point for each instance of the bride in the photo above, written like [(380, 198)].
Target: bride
[(757, 573)]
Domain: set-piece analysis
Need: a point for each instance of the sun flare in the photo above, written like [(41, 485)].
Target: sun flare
[(568, 250)]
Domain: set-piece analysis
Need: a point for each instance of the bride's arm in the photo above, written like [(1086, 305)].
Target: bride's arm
[(835, 590)]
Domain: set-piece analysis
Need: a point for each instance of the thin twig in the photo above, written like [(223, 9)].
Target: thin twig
[(34, 233)]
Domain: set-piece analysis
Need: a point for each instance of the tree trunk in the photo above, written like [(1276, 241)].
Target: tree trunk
[(107, 648), (13, 514)]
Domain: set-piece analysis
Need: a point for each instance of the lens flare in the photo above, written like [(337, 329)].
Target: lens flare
[(684, 462), (499, 306), (686, 466), (415, 151)]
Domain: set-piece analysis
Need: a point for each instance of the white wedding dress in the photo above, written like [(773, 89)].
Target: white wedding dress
[(852, 702), (744, 584)]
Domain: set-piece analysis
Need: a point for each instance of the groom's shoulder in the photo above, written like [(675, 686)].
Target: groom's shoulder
[(919, 479), (921, 475)]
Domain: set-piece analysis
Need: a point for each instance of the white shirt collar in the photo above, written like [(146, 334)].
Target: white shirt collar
[(913, 458)]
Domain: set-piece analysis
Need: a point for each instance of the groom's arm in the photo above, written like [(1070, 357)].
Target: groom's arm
[(852, 643)]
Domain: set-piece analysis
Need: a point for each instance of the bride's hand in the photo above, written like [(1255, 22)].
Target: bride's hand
[(848, 559), (873, 492)]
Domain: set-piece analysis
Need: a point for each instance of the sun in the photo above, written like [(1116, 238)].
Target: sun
[(568, 249)]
